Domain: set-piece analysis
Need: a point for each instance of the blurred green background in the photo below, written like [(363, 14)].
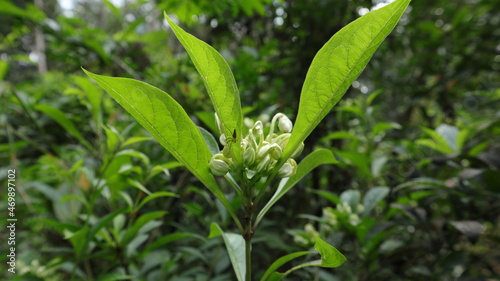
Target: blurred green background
[(414, 197)]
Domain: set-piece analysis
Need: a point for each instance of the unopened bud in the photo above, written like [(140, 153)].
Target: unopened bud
[(285, 125), (219, 165), (249, 156), (263, 164), (258, 129), (288, 169), (222, 139), (263, 150), (275, 151)]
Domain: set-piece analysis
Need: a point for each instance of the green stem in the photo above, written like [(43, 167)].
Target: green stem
[(248, 258)]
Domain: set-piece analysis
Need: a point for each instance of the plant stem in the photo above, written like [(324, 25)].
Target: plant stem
[(248, 258)]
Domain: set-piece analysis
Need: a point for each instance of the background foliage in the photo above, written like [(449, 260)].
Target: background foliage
[(415, 195)]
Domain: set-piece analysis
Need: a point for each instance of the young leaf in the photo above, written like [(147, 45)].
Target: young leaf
[(311, 161), (330, 257), (235, 245), (281, 261), (338, 64), (217, 76), (167, 121)]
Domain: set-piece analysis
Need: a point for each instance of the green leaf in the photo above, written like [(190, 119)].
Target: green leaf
[(135, 154), (218, 79), (78, 240), (210, 141), (167, 121), (351, 197), (139, 223), (139, 186), (171, 238), (332, 197), (311, 161), (338, 64), (330, 256), (94, 96), (438, 142), (384, 126), (112, 138), (103, 222), (235, 245), (279, 262), (373, 197), (155, 195), (133, 140), (65, 122)]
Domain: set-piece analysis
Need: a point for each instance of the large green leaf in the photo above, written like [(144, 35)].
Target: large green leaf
[(167, 121), (218, 79), (235, 245), (311, 161), (338, 64)]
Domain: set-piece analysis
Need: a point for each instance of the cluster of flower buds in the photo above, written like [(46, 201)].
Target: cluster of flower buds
[(260, 153)]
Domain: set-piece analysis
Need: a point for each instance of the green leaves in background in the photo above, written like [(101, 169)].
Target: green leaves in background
[(330, 257), (61, 118), (217, 76), (167, 121), (338, 64), (235, 245)]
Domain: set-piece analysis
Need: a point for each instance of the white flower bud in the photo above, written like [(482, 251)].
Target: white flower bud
[(285, 125), (222, 139), (297, 151), (275, 151), (249, 156), (263, 150), (258, 129), (288, 169), (263, 163), (218, 165)]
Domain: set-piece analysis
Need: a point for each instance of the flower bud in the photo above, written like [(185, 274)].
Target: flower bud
[(264, 149), (297, 151), (275, 151), (263, 164), (222, 139), (285, 125), (218, 165), (249, 156), (258, 129), (288, 169)]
